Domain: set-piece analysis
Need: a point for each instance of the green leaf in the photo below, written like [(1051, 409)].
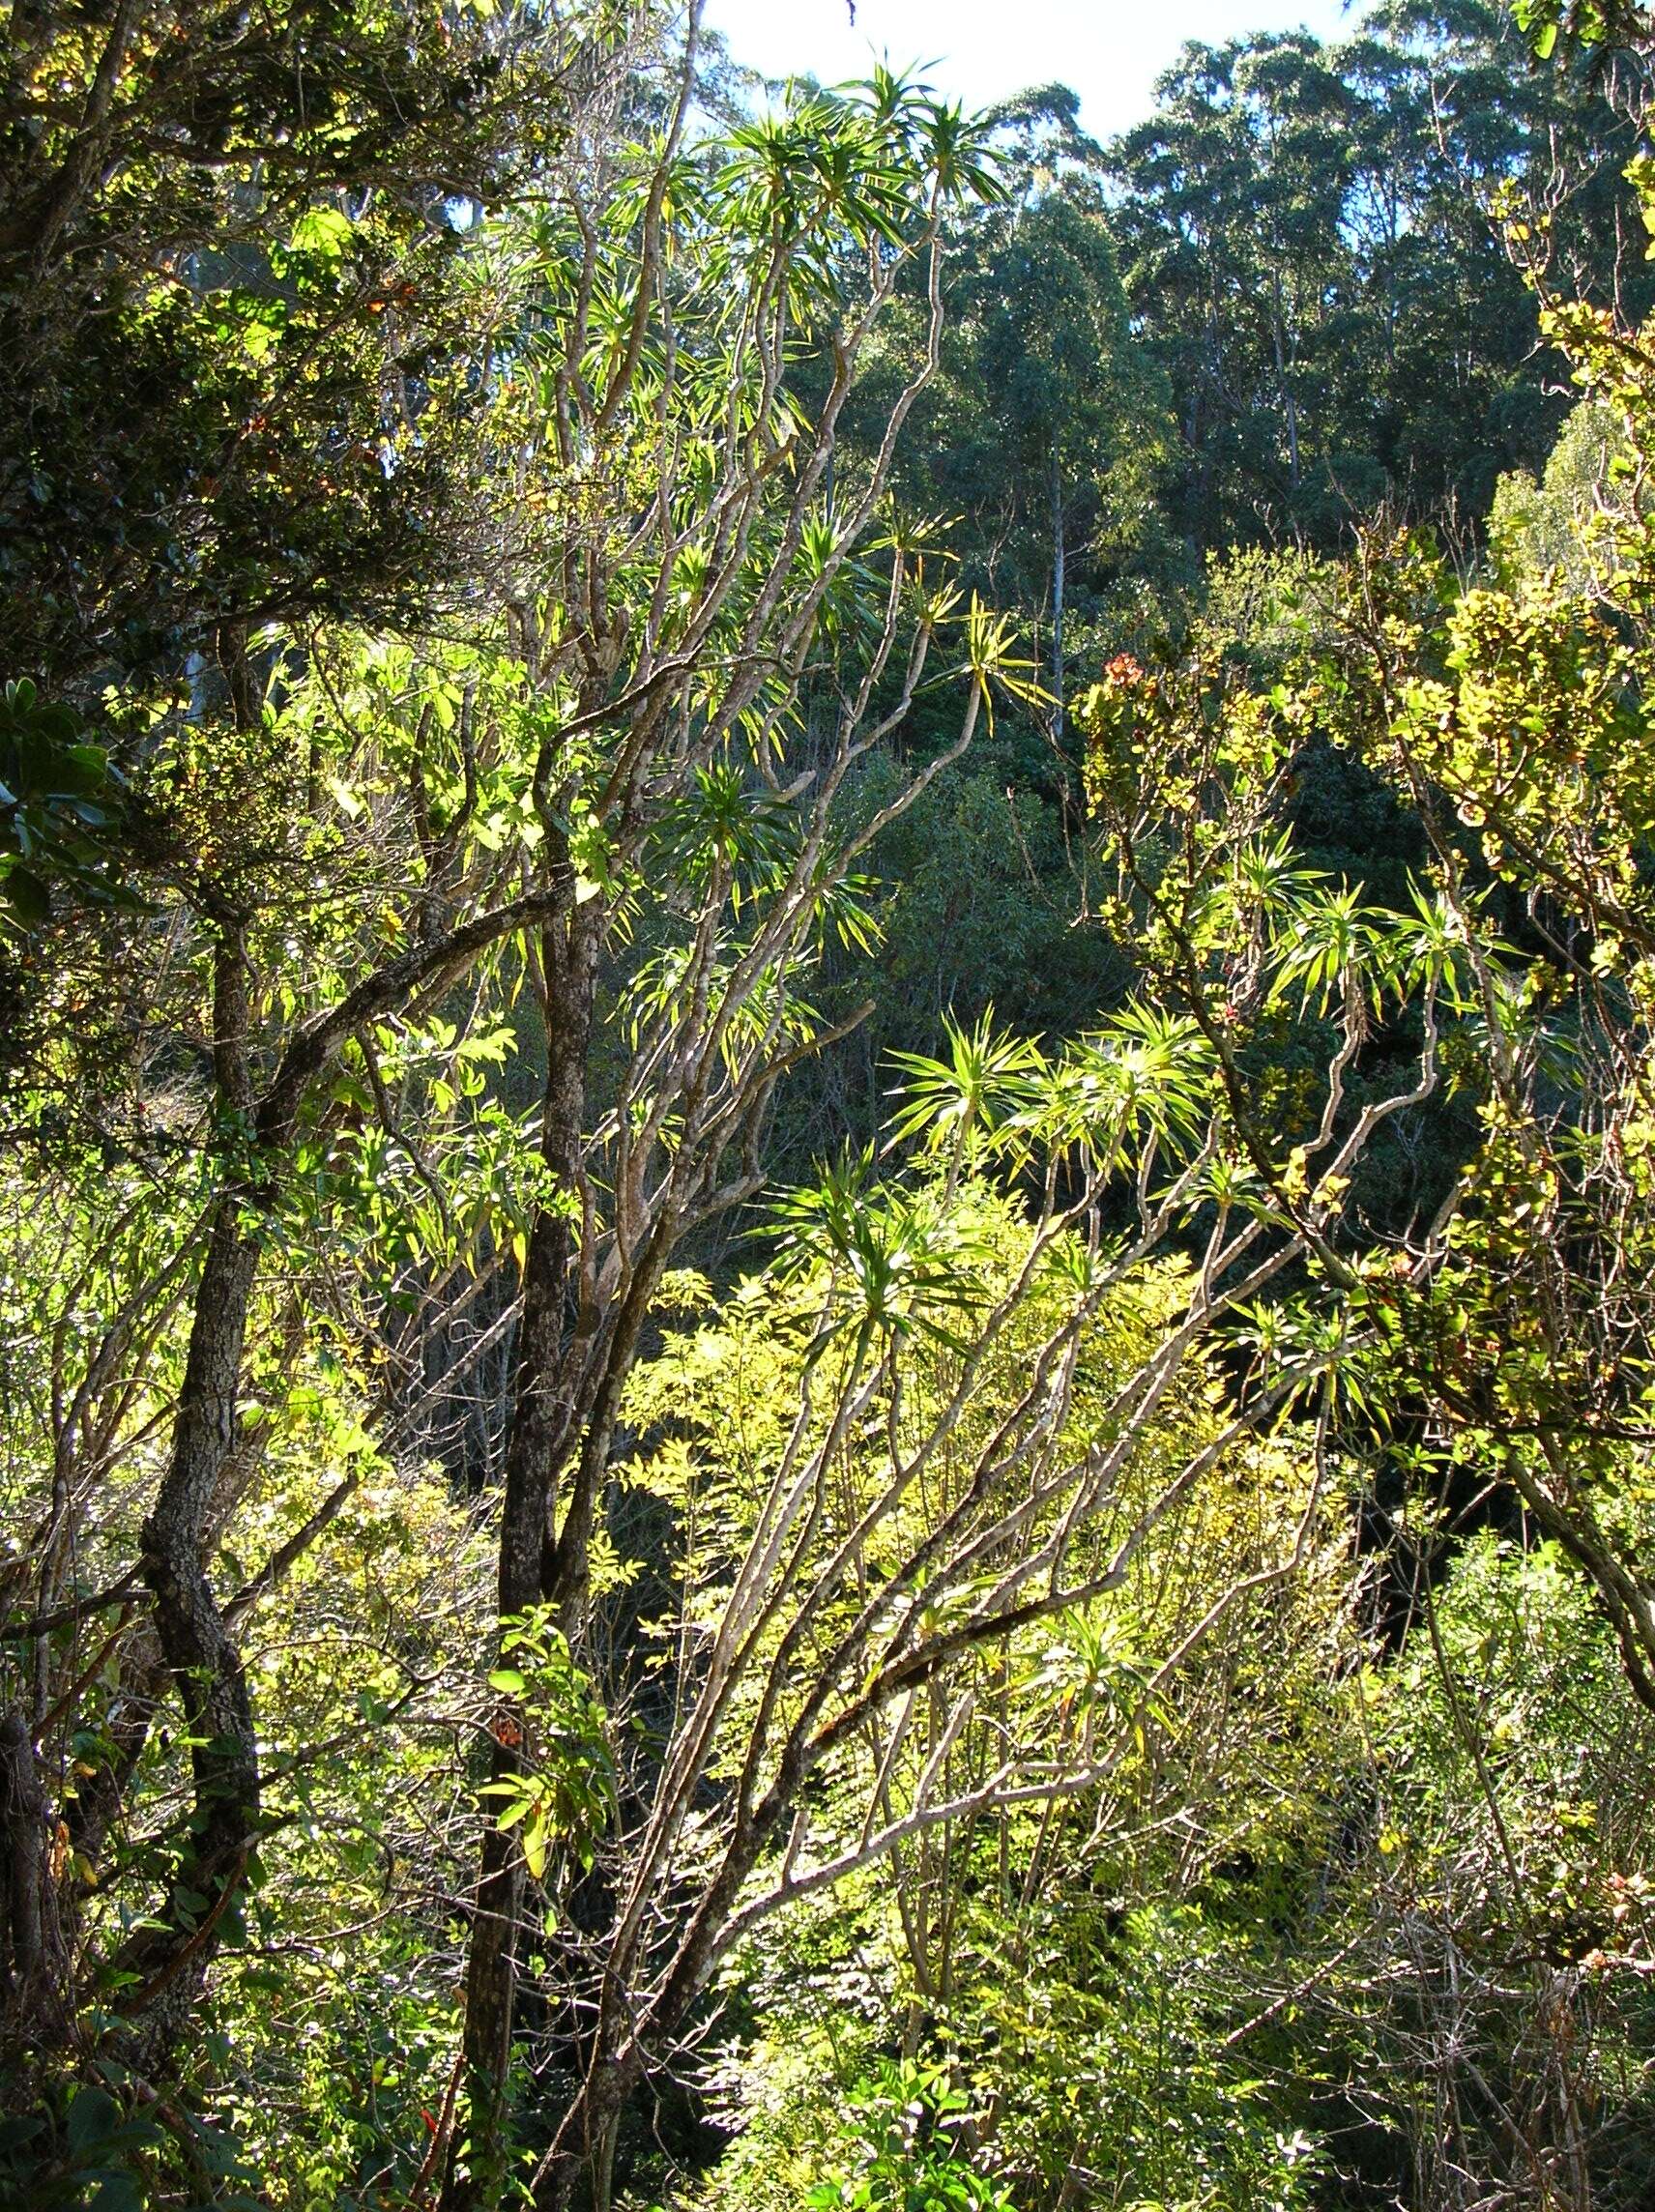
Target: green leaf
[(322, 231), (93, 2118), (115, 2193), (24, 891)]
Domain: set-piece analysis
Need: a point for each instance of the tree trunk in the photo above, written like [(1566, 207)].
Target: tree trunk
[(1290, 398), (619, 2055), (28, 1981), (531, 1456), (1059, 564), (537, 1446), (588, 2127), (566, 1576), (168, 1964)]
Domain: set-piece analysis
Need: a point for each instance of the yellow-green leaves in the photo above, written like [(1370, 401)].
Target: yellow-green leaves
[(559, 1788), (960, 1104), (991, 655)]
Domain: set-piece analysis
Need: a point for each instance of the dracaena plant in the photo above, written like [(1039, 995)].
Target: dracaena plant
[(972, 1442)]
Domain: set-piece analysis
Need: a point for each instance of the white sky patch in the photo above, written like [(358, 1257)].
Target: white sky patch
[(981, 50)]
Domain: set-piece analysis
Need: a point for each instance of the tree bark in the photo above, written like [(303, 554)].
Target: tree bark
[(1060, 568), (38, 229), (166, 1965), (537, 1446), (26, 1892), (169, 1962)]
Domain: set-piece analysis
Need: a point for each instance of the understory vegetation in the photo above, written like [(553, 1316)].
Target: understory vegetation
[(826, 1121)]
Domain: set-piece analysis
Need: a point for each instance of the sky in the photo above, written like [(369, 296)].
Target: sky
[(1109, 51)]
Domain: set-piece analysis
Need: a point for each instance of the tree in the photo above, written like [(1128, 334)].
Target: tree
[(1231, 225), (1074, 422), (229, 266), (669, 638), (1311, 241), (261, 256)]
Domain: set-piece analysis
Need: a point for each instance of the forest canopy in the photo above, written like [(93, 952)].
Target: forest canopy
[(826, 1120)]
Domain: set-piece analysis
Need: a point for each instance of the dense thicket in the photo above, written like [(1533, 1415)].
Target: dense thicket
[(827, 943)]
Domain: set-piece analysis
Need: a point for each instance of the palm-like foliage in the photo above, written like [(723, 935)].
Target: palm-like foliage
[(898, 1262), (963, 1103)]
